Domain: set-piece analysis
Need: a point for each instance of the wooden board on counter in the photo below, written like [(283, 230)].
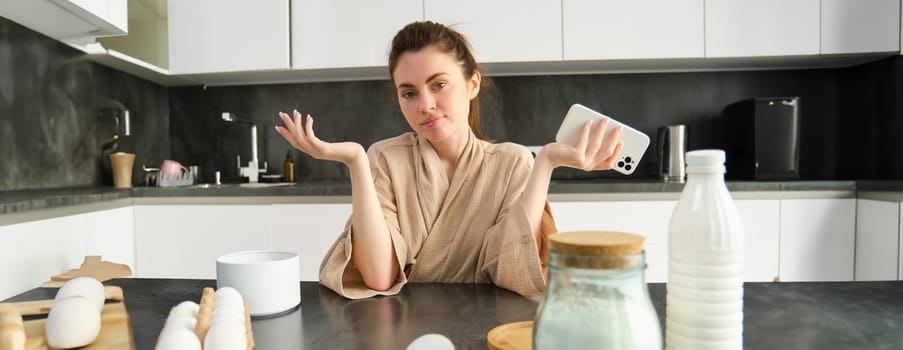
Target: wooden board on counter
[(115, 328)]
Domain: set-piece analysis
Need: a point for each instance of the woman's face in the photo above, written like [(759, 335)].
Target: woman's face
[(433, 93)]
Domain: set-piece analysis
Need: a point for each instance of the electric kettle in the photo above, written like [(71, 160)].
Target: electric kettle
[(672, 145)]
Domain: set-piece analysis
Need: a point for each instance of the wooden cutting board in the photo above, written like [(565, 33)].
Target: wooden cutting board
[(115, 327)]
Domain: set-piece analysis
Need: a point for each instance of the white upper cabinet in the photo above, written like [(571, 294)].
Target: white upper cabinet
[(357, 33), (616, 29), (113, 12), (505, 30), (860, 26), (210, 36), (76, 21), (749, 28)]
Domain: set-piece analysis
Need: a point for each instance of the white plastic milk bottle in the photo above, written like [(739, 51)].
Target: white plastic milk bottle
[(705, 261)]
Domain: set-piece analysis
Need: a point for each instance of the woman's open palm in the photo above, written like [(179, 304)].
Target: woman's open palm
[(301, 136)]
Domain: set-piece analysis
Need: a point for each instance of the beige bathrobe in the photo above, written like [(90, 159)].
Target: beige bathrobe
[(471, 230)]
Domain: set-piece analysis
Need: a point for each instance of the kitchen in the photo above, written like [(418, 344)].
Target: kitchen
[(54, 188)]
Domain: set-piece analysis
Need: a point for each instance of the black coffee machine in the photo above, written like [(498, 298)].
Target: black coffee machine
[(761, 138)]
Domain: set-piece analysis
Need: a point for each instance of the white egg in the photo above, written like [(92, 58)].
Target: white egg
[(230, 321), (228, 293), (185, 308), (85, 287), (431, 341), (179, 339), (229, 312), (180, 322), (229, 303), (225, 336), (72, 322)]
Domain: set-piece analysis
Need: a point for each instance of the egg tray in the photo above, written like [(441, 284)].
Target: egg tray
[(205, 316), (115, 330)]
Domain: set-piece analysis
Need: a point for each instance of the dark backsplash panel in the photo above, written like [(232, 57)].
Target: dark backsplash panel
[(869, 134), (358, 111), (53, 129), (52, 122), (526, 110)]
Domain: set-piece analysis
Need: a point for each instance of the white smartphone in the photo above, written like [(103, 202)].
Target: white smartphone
[(633, 142)]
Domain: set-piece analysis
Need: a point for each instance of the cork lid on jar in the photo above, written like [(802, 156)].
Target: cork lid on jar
[(597, 249), (511, 336)]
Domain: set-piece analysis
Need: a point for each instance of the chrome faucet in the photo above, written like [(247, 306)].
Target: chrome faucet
[(251, 171), (123, 123)]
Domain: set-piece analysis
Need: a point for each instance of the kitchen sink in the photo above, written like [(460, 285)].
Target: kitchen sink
[(246, 185), (265, 184)]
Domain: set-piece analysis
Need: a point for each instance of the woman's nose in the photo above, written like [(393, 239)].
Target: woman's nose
[(427, 103)]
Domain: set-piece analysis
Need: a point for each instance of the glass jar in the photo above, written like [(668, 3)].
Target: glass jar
[(597, 296)]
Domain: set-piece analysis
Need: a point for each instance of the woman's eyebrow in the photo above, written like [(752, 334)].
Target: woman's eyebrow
[(431, 78)]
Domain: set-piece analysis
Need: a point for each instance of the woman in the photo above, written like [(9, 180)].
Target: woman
[(440, 204)]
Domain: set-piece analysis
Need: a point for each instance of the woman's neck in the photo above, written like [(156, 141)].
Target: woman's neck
[(451, 149)]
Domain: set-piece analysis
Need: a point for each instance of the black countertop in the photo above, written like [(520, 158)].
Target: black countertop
[(19, 201), (804, 315)]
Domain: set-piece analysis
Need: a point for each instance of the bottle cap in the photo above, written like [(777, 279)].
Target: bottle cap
[(705, 161)]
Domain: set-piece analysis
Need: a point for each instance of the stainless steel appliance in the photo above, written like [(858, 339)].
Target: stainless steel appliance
[(762, 138), (672, 145)]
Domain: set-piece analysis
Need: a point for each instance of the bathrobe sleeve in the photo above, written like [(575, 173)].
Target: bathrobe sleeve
[(337, 271), (509, 254)]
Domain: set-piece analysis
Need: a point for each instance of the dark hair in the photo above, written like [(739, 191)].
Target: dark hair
[(418, 35)]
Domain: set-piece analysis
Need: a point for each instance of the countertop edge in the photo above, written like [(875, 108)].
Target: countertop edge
[(30, 205), (55, 212), (248, 200)]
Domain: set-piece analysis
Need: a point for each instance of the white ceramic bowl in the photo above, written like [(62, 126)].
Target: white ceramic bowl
[(269, 281)]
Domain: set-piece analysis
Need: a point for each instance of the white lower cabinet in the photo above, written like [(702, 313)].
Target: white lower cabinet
[(877, 240), (817, 238), (34, 251), (651, 219), (111, 234), (791, 239), (183, 241), (761, 230), (646, 218), (309, 230)]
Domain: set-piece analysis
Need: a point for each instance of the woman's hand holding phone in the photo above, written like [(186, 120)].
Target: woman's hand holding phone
[(594, 149), (633, 143)]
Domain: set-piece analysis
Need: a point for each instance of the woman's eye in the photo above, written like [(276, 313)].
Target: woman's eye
[(441, 85), (407, 94)]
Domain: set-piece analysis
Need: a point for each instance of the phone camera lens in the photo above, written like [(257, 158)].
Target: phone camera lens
[(628, 160), (621, 164), (627, 167)]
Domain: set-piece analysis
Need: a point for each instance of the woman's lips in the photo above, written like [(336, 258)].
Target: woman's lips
[(431, 122)]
